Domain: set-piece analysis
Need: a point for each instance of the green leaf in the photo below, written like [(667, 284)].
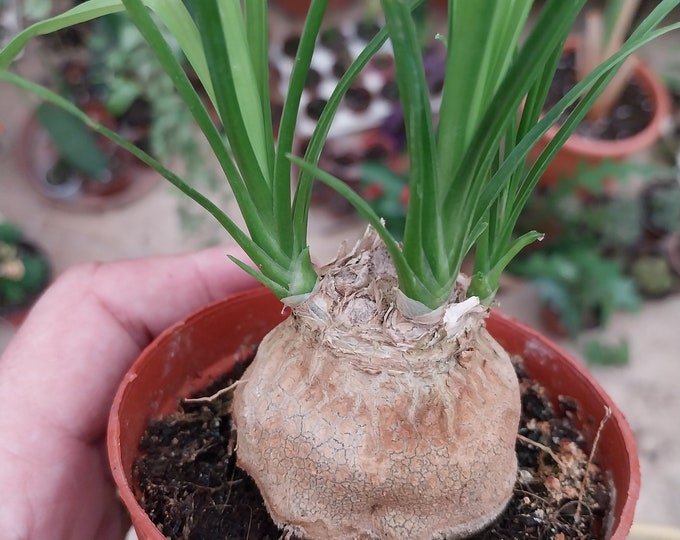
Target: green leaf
[(486, 284), (257, 32), (468, 177), (409, 281), (74, 141), (253, 197), (511, 168), (488, 32), (314, 148), (282, 193), (423, 236), (236, 92)]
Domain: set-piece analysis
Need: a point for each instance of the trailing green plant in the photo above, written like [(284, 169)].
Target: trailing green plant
[(596, 207), (580, 286), (600, 353), (117, 79), (130, 72), (389, 340), (132, 76)]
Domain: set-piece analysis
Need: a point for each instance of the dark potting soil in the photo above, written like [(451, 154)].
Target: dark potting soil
[(631, 114), (192, 489)]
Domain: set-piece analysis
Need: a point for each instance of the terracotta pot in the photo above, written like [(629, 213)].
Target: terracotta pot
[(579, 149), (129, 179), (561, 374), (194, 351)]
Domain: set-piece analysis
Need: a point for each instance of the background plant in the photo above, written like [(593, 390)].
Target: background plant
[(581, 287), (604, 33), (661, 205), (471, 166), (597, 206), (10, 20), (387, 194), (132, 76), (598, 353), (24, 271), (594, 227), (119, 71)]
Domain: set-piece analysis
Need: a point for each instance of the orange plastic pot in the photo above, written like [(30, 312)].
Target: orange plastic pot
[(579, 150), (194, 351)]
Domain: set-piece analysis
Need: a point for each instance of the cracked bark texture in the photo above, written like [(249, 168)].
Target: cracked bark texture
[(356, 421)]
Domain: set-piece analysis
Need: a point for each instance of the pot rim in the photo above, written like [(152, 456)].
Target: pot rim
[(613, 149), (532, 340), (538, 341)]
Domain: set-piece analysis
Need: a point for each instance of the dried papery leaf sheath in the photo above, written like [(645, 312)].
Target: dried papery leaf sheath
[(358, 422)]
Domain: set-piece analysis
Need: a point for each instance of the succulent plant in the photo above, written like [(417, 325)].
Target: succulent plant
[(387, 408), (24, 270), (661, 204), (580, 286), (653, 275)]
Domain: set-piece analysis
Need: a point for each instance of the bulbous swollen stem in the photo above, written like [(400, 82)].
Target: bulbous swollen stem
[(356, 421)]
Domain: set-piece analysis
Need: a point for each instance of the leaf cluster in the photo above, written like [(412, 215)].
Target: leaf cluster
[(468, 178)]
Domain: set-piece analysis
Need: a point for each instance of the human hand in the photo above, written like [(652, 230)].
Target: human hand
[(58, 377)]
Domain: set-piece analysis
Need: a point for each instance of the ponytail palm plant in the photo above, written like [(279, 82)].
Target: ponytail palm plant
[(381, 408)]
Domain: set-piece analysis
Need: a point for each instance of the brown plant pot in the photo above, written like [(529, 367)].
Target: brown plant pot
[(185, 357), (130, 178), (579, 150)]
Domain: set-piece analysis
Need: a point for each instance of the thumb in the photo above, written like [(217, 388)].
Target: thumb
[(68, 357)]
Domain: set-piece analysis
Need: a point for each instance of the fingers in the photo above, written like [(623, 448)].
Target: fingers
[(146, 296), (66, 361)]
